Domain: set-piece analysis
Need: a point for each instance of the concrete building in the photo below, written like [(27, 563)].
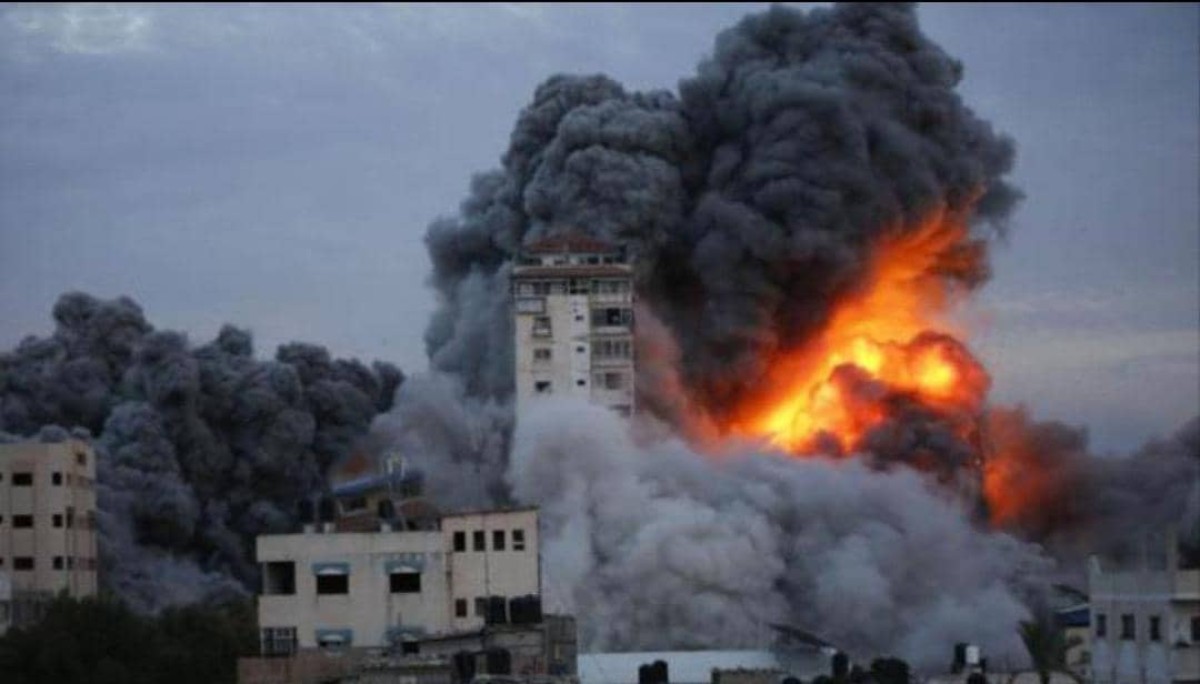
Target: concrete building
[(340, 590), (47, 522), (573, 318), (1145, 616)]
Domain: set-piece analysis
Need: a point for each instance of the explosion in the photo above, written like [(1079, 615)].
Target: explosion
[(888, 339)]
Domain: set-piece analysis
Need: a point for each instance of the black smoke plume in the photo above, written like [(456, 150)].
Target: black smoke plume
[(750, 201), (200, 448)]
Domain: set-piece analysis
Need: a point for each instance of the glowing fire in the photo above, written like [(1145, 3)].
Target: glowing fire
[(889, 338)]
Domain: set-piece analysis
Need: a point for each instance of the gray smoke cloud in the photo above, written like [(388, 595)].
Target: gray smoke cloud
[(1077, 503), (750, 201), (656, 547), (200, 449)]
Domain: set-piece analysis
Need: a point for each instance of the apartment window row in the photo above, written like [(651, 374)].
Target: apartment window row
[(56, 563), (1129, 627), (57, 478), (481, 605), (609, 380), (542, 288), (68, 520), (610, 316), (499, 540), (279, 579), (620, 348)]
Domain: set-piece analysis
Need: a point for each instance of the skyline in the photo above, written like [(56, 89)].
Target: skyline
[(277, 171)]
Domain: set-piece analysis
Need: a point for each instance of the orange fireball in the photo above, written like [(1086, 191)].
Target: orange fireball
[(890, 337)]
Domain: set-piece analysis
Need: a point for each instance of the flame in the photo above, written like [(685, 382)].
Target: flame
[(891, 337)]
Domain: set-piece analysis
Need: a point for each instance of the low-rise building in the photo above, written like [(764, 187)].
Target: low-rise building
[(1145, 616), (380, 589), (47, 523)]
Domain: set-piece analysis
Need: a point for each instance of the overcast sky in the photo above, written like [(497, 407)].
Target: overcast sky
[(276, 166)]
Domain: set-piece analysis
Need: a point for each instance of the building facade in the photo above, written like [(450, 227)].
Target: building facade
[(573, 300), (337, 590), (1145, 617), (47, 520)]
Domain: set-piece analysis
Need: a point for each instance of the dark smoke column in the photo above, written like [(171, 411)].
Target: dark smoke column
[(749, 201)]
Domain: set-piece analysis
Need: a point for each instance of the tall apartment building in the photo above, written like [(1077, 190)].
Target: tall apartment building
[(47, 520), (573, 308), (328, 589), (1145, 616)]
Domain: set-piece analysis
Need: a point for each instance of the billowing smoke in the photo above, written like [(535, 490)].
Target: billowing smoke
[(1047, 487), (655, 547), (200, 448), (751, 202)]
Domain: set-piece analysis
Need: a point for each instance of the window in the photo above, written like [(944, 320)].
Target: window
[(405, 582), (1155, 628), (1101, 625), (58, 563), (498, 540), (541, 326), (481, 607), (518, 540), (542, 387), (22, 479), (579, 286), (1128, 629), (57, 519), (460, 541), (614, 381), (1195, 628), (581, 382), (612, 316), (278, 641), (23, 563), (619, 348), (279, 578), (541, 354), (22, 521), (580, 349), (460, 608), (81, 458), (333, 584), (480, 540), (330, 639), (531, 305), (56, 479)]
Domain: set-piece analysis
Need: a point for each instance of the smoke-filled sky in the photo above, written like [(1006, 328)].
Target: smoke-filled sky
[(277, 167)]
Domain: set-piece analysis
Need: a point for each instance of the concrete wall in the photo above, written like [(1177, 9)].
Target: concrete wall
[(506, 572), (370, 609), (370, 614), (1143, 592), (63, 554)]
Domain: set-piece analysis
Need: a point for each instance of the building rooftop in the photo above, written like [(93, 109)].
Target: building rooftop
[(573, 271), (570, 243)]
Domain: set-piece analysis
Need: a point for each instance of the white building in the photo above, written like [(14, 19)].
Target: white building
[(375, 589), (1145, 617), (573, 308), (47, 520)]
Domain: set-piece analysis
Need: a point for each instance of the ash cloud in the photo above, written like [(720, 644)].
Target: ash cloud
[(199, 448), (750, 200), (656, 547)]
